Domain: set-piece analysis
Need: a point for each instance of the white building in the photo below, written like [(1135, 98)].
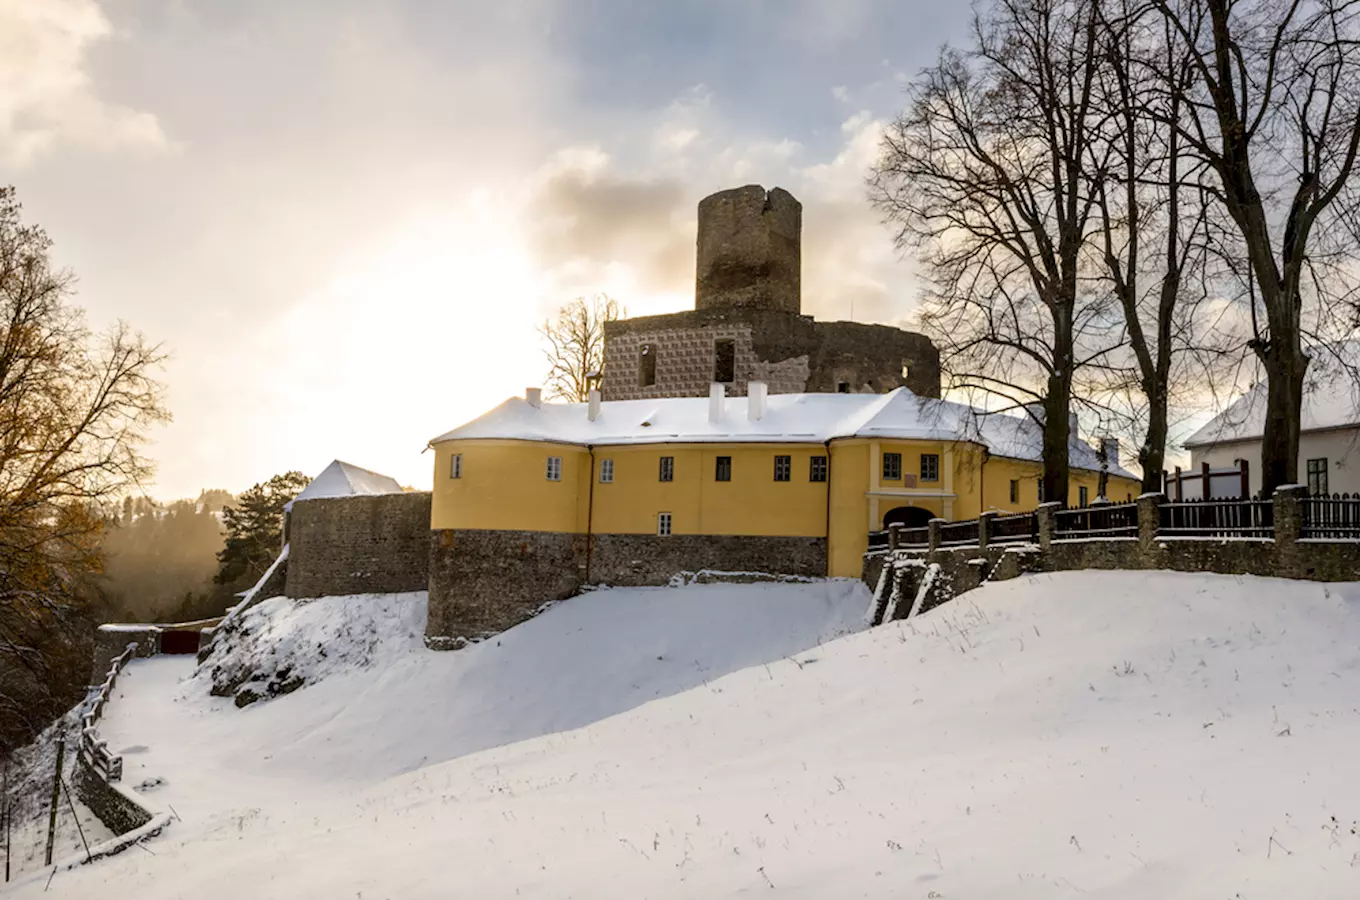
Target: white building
[(1329, 443)]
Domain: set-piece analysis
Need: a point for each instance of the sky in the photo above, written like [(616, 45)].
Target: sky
[(344, 220)]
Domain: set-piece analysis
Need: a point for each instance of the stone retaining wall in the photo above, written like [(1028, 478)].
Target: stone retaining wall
[(111, 640), (375, 543), (119, 810), (631, 560)]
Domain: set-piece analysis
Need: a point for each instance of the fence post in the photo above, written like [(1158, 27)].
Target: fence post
[(1149, 519), (933, 535), (1288, 502), (1206, 479), (1246, 479), (1047, 525), (894, 535), (56, 798), (985, 528)]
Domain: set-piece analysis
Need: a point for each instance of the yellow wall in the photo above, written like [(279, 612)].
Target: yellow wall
[(505, 487), (752, 503)]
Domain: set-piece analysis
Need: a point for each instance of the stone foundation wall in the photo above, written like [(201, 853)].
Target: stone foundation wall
[(357, 545), (483, 582), (631, 560), (116, 808), (111, 640)]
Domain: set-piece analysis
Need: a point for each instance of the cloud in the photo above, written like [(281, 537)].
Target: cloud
[(587, 222), (46, 97)]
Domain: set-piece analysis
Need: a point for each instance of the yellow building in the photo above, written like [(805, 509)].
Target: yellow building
[(632, 492)]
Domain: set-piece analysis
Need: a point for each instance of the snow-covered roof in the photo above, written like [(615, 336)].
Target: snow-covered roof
[(791, 418), (342, 479), (1330, 400)]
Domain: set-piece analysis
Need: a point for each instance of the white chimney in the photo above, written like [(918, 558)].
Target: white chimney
[(593, 405), (755, 400), (716, 393), (1071, 425), (534, 396)]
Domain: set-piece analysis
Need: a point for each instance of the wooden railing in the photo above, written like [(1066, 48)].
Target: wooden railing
[(1014, 529), (1217, 519), (1116, 520), (93, 751), (1333, 518)]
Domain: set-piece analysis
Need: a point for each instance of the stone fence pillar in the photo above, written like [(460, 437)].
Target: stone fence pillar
[(985, 528), (894, 536), (933, 532), (1149, 519), (1047, 527), (1288, 502)]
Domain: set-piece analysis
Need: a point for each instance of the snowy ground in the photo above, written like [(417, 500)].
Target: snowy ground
[(1121, 735)]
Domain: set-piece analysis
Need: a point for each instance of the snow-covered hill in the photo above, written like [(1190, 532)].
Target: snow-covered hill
[(1105, 734)]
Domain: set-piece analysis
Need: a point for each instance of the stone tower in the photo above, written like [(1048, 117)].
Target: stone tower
[(749, 250)]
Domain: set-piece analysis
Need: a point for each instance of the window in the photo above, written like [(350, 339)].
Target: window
[(783, 466), (663, 524), (1317, 477), (722, 471), (606, 471), (892, 467), (930, 467), (456, 466), (647, 365), (554, 468), (1081, 496), (724, 361), (1015, 490), (817, 472), (667, 469)]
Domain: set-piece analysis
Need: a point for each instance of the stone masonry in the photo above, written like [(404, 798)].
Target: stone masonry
[(747, 292), (483, 582), (749, 250), (368, 543)]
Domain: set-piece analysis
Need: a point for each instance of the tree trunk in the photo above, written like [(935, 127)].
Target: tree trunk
[(1057, 405), (1152, 455), (1285, 369)]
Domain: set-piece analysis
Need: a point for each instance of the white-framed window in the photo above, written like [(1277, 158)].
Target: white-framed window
[(667, 471), (554, 468), (1081, 496), (663, 524), (1317, 477), (817, 469), (606, 471), (930, 467), (456, 466)]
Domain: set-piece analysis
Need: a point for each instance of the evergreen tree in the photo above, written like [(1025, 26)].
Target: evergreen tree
[(255, 527)]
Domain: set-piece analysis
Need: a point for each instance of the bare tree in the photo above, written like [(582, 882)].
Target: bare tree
[(1151, 229), (575, 345), (74, 410), (986, 176), (1273, 111)]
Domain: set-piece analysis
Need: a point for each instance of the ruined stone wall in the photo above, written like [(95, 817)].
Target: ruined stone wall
[(647, 559), (749, 249), (483, 582), (791, 353), (357, 545)]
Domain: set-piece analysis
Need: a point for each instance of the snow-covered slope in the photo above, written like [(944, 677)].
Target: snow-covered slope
[(1122, 735)]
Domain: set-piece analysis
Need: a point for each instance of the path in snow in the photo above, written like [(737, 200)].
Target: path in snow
[(1114, 735)]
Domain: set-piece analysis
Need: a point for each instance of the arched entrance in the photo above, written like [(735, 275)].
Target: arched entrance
[(908, 517)]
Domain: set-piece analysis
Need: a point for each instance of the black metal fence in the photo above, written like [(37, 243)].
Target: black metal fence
[(1116, 520), (878, 540), (1216, 518), (1334, 517), (959, 534), (1016, 529)]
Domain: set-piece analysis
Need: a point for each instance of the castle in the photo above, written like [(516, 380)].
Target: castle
[(740, 436)]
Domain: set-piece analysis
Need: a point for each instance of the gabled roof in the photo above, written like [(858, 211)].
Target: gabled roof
[(788, 418), (342, 479), (1330, 400)]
